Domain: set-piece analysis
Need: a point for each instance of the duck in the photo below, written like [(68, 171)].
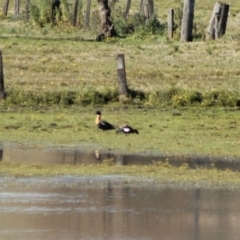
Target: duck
[(103, 125), (126, 129)]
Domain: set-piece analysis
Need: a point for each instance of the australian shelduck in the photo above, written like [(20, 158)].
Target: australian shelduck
[(103, 124), (126, 129)]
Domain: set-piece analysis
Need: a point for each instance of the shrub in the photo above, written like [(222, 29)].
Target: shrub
[(41, 13)]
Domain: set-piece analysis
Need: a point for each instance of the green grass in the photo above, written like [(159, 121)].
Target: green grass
[(213, 132), (159, 174)]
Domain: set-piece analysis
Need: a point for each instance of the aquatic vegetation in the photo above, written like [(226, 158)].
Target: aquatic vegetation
[(160, 173)]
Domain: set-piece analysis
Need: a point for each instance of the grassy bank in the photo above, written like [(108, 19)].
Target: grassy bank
[(196, 131)]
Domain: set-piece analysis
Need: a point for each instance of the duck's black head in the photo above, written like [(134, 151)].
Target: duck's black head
[(98, 112)]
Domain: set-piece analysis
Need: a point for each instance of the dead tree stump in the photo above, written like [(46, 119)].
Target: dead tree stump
[(107, 26), (218, 22), (122, 81), (187, 21), (2, 92)]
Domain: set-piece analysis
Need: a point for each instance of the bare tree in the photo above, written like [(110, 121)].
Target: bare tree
[(107, 27)]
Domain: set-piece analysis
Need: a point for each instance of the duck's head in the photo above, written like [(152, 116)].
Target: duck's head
[(98, 117)]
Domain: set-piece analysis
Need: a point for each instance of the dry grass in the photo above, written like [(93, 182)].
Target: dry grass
[(152, 64), (40, 65)]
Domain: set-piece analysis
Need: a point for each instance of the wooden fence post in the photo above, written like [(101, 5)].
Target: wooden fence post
[(75, 13), (127, 9), (122, 81), (1, 154), (2, 92), (16, 7), (221, 11), (27, 10), (216, 26), (170, 23), (5, 8), (87, 16), (223, 19), (187, 21)]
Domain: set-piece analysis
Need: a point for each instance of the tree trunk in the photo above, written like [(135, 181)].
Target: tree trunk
[(87, 15), (107, 26), (147, 8), (16, 7), (5, 8), (127, 9), (218, 22), (75, 13), (187, 21)]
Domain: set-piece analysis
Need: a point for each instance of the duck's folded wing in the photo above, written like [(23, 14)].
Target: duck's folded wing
[(126, 129), (106, 124)]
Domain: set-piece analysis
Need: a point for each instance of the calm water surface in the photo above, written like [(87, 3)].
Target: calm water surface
[(119, 213), (115, 212), (75, 156)]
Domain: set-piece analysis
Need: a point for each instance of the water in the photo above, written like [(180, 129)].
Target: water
[(75, 156), (99, 208), (119, 213)]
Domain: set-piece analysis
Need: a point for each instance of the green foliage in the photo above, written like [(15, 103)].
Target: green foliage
[(221, 98), (174, 97), (199, 31), (66, 15), (66, 98), (137, 24), (178, 14), (147, 27), (41, 13)]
